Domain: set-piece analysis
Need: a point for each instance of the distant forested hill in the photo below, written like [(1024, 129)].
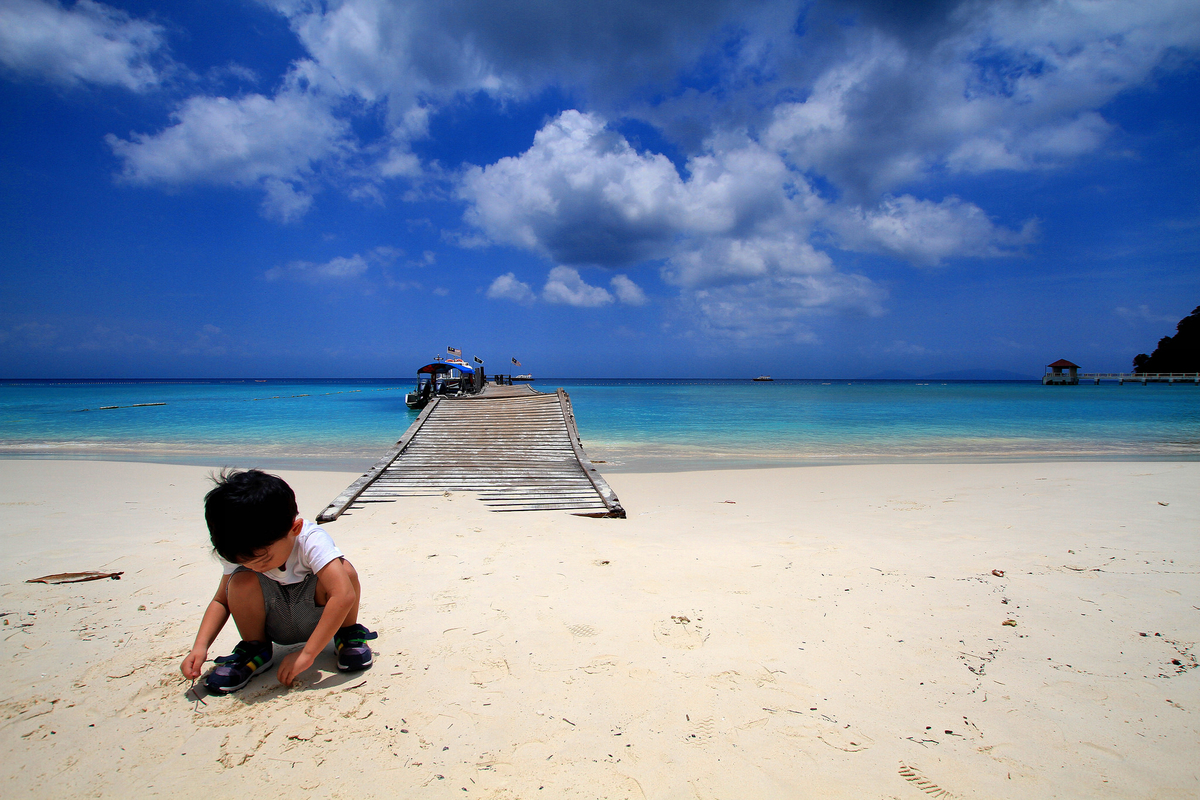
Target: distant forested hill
[(1178, 353)]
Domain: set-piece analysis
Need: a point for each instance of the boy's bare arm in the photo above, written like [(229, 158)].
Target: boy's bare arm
[(214, 620), (334, 579)]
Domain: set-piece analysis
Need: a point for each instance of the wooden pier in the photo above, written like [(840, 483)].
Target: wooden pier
[(516, 448), (1142, 377), (1072, 377), (1121, 378)]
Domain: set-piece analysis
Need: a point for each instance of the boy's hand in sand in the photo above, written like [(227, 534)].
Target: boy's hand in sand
[(193, 664), (294, 664)]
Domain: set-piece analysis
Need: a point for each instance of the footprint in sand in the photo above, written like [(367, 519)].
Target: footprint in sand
[(834, 734), (489, 671), (914, 776), (601, 665), (446, 600), (907, 505), (582, 631), (680, 632), (847, 739)]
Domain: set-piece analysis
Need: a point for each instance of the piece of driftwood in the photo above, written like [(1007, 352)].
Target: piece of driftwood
[(76, 577)]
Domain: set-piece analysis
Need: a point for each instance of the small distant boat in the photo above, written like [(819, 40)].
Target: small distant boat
[(525, 377), (452, 377), (764, 378)]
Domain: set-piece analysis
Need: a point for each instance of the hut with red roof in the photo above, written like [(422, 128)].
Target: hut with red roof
[(1056, 377)]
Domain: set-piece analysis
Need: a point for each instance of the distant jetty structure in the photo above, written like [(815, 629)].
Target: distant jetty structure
[(1055, 376), (515, 448)]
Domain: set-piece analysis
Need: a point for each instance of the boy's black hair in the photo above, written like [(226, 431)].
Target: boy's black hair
[(247, 511)]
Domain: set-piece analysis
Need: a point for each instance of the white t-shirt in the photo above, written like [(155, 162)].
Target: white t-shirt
[(311, 552)]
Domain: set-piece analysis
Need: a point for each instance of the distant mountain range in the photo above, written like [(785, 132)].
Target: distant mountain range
[(954, 375)]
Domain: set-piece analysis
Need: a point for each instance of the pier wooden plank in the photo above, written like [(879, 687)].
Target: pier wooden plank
[(602, 488), (343, 500), (514, 448)]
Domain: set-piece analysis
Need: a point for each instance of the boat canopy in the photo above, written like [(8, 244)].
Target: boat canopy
[(438, 367)]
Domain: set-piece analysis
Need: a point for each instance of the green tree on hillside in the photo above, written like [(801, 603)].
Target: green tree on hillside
[(1178, 353)]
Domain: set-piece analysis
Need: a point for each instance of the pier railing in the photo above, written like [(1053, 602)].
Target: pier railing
[(1142, 377)]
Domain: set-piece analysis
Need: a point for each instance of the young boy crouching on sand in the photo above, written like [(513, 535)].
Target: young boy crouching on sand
[(284, 581)]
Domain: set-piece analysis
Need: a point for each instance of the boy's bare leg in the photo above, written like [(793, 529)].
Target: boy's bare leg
[(247, 606), (321, 596)]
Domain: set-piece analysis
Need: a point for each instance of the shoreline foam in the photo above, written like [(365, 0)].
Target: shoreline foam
[(607, 458)]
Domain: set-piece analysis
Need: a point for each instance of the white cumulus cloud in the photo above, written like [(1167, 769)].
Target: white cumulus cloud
[(777, 307), (628, 292), (579, 195), (1001, 85), (874, 103), (719, 261), (565, 286), (507, 287), (582, 195), (273, 143), (925, 233), (88, 42)]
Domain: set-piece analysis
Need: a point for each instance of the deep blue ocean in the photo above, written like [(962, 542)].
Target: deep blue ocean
[(627, 424)]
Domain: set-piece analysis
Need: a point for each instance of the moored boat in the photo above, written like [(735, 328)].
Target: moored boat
[(451, 377), (525, 377)]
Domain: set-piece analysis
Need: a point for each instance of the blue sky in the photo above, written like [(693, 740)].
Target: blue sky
[(609, 188)]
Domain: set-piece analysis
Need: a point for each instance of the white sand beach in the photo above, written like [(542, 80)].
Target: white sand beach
[(824, 632)]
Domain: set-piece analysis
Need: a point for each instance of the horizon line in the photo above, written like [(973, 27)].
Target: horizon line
[(547, 379)]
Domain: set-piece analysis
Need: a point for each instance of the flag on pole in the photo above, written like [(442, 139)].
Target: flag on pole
[(478, 360), (518, 363), (453, 350)]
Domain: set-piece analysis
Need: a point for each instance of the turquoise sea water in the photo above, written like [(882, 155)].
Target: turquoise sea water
[(626, 424)]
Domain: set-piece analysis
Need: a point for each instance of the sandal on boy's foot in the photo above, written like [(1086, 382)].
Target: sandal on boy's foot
[(235, 670), (352, 649)]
